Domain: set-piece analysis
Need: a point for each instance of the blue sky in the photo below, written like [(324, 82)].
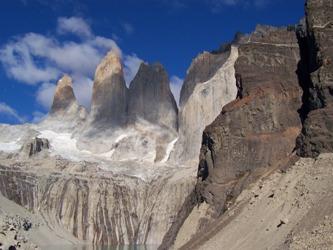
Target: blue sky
[(42, 39)]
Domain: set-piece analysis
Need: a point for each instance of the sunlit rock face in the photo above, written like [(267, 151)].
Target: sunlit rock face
[(109, 100), (209, 85), (150, 97)]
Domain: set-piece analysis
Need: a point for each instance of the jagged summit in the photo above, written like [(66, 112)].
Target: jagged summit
[(150, 96), (109, 91), (64, 95)]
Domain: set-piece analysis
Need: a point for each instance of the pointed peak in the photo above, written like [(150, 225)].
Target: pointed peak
[(64, 95), (110, 64), (65, 80)]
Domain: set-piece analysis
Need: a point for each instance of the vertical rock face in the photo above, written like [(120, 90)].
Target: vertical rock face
[(209, 85), (150, 97), (256, 133), (64, 101), (317, 79), (109, 98)]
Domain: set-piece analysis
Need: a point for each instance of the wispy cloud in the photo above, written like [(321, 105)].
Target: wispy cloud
[(45, 95), (10, 112), (75, 25), (127, 27), (218, 4), (132, 64), (215, 5), (176, 84), (38, 59), (38, 116)]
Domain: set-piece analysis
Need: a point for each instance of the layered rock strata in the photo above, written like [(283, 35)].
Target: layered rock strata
[(254, 134)]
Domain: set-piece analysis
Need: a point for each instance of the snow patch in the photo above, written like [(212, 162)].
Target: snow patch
[(169, 150), (65, 145), (9, 147)]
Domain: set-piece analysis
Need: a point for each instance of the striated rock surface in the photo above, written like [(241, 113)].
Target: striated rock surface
[(254, 134), (97, 206), (64, 103), (109, 100), (150, 97), (316, 76), (209, 85)]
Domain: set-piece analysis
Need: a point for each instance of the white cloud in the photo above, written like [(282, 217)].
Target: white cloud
[(83, 89), (38, 116), (45, 95), (9, 111), (19, 63), (176, 84), (131, 67), (74, 25), (40, 60)]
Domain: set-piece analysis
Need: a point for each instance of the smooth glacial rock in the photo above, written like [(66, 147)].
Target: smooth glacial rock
[(150, 97), (202, 68), (254, 134), (206, 101), (316, 74), (109, 100)]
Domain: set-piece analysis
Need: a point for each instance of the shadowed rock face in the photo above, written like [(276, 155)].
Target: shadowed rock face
[(317, 79), (150, 97), (257, 133), (109, 92)]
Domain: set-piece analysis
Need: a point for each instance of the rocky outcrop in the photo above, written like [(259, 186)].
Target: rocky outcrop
[(109, 100), (35, 146), (209, 85), (316, 75), (256, 133), (64, 103), (150, 97)]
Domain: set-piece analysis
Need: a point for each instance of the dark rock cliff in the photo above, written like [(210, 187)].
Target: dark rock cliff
[(316, 77), (256, 133), (150, 97)]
